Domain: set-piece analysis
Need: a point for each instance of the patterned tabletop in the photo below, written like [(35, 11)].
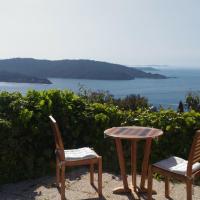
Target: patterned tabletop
[(133, 132)]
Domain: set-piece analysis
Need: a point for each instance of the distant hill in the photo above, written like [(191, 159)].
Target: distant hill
[(21, 78), (147, 68), (82, 69)]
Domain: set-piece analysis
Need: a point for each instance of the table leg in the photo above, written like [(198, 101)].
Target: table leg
[(134, 163), (122, 168), (145, 163)]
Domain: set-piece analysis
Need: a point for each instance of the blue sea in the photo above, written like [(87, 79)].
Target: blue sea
[(165, 92)]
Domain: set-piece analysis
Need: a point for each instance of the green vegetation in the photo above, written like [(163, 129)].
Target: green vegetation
[(130, 102), (27, 143), (193, 101)]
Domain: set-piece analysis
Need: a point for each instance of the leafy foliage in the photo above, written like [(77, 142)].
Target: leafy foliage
[(27, 143), (130, 102), (193, 101)]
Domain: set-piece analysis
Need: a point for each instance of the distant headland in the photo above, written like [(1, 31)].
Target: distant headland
[(40, 70), (147, 68), (21, 78)]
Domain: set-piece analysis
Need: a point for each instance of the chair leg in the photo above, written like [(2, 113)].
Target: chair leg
[(100, 176), (62, 190), (167, 187), (150, 183), (57, 172), (92, 174), (189, 189)]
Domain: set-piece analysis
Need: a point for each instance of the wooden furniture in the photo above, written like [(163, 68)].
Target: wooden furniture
[(133, 134), (74, 157), (175, 167)]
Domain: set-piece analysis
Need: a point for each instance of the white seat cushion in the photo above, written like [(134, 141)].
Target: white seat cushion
[(79, 154), (176, 165)]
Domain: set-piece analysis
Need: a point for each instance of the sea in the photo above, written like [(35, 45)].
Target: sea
[(160, 92)]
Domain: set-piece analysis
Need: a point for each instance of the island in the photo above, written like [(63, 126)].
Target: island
[(147, 68), (21, 78), (74, 69)]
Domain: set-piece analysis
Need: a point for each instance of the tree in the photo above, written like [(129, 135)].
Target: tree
[(180, 107)]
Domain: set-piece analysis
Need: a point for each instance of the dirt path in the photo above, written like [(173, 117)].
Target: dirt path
[(78, 188)]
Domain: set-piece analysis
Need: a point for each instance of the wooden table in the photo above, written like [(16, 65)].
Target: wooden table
[(133, 134)]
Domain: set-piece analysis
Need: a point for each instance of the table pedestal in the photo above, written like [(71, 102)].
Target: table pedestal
[(145, 163), (147, 151), (120, 153)]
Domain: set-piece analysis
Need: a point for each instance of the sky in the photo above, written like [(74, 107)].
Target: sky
[(130, 32)]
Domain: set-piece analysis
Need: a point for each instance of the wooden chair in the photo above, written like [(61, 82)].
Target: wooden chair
[(175, 167), (74, 157)]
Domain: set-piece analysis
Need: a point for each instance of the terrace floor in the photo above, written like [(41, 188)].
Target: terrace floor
[(79, 188)]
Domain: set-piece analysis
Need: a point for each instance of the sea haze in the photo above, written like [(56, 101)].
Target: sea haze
[(165, 92)]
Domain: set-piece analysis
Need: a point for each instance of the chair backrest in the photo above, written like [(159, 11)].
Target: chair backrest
[(58, 138), (194, 155)]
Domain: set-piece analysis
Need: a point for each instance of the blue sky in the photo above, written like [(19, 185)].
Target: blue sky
[(129, 32)]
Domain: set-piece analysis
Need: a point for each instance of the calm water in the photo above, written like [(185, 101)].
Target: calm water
[(166, 92)]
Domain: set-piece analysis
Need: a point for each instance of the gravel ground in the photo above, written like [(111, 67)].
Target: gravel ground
[(79, 188)]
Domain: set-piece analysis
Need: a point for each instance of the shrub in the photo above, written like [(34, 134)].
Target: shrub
[(27, 143), (130, 102), (193, 101)]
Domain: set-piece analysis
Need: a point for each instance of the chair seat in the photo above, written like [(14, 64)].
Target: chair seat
[(79, 154), (176, 165)]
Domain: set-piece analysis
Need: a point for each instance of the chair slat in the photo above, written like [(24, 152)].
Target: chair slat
[(198, 141), (196, 160), (197, 153), (197, 148)]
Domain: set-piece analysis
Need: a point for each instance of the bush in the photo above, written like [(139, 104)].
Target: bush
[(130, 102), (193, 101), (27, 143)]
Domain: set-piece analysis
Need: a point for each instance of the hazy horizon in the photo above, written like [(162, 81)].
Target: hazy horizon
[(127, 32)]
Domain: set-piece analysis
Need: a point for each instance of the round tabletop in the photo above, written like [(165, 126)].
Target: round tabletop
[(133, 132)]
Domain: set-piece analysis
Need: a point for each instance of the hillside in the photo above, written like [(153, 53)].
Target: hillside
[(21, 78), (147, 68), (82, 69)]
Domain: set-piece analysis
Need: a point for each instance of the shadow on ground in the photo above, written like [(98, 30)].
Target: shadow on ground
[(34, 189), (78, 188)]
